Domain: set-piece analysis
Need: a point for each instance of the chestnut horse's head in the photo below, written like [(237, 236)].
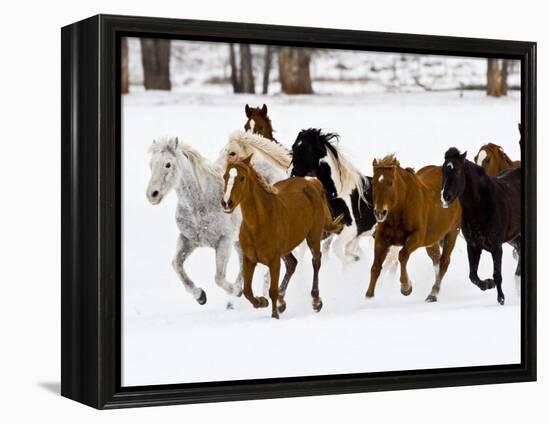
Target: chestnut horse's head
[(454, 179), (387, 187), (236, 184), (258, 122), (493, 159)]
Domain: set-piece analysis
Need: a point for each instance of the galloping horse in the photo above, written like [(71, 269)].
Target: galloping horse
[(348, 192), (409, 214), (276, 219), (201, 223), (494, 160), (258, 122), (491, 213)]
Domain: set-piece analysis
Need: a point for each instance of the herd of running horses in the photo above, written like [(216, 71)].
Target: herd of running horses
[(270, 203)]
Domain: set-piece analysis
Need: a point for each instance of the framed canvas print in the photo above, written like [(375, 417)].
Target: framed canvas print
[(254, 211)]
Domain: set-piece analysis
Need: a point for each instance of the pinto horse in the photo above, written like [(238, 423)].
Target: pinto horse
[(491, 213), (258, 122), (409, 214), (276, 219), (494, 160)]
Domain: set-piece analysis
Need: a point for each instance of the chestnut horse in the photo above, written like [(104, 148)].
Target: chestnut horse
[(258, 122), (409, 214), (494, 160), (276, 219)]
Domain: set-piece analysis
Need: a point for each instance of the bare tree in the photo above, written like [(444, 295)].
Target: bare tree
[(124, 78), (294, 70), (267, 68), (247, 76), (235, 80), (504, 77), (155, 57), (497, 77)]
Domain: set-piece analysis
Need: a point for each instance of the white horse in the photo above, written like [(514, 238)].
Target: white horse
[(199, 216)]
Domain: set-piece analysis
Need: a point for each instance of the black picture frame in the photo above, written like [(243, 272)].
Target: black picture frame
[(91, 218)]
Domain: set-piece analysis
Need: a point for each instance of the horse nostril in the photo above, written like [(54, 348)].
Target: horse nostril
[(229, 203), (223, 204), (155, 193)]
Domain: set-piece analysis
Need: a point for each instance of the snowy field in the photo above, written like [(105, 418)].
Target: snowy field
[(169, 338)]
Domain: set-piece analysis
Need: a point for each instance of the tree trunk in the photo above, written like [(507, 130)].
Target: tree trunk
[(247, 77), (493, 78), (235, 81), (267, 68), (504, 77), (155, 57), (294, 70), (124, 78)]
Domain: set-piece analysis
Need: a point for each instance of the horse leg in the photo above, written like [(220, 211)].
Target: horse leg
[(445, 259), (326, 245), (274, 270), (412, 243), (315, 248), (223, 251), (497, 275), (380, 251), (290, 265), (184, 248), (248, 273), (392, 260), (516, 244), (474, 253), (348, 234), (435, 256), (353, 250)]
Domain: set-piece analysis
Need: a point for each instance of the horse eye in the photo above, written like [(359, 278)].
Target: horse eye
[(232, 154), (241, 178), (168, 165)]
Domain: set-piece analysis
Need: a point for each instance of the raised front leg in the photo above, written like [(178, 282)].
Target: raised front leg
[(412, 243), (342, 240), (223, 252), (497, 275), (380, 251), (443, 264), (474, 253), (248, 274), (290, 265), (184, 248), (274, 270)]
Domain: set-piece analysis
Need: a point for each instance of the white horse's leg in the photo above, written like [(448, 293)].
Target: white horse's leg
[(239, 280), (392, 260), (326, 246), (223, 252), (353, 250), (183, 249), (348, 234)]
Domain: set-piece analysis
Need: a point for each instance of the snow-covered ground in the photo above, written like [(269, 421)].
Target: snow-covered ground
[(169, 338)]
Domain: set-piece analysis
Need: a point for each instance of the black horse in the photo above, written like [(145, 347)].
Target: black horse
[(491, 213), (349, 193)]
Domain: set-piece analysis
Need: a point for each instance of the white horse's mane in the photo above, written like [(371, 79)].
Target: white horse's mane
[(273, 152), (350, 177), (200, 165)]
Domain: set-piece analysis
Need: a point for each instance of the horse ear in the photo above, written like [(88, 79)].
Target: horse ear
[(264, 110), (247, 110), (246, 160), (463, 156), (375, 162), (177, 142)]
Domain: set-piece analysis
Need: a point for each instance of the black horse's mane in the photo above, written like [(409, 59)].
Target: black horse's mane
[(326, 139), (454, 153)]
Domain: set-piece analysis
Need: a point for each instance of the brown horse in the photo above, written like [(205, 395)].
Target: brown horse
[(258, 122), (494, 160), (276, 219), (408, 209)]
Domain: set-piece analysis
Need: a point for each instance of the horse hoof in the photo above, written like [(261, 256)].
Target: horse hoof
[(489, 284), (317, 306), (281, 307), (501, 300), (369, 294), (262, 302), (229, 306), (202, 298), (237, 291), (431, 298), (407, 291), (274, 315)]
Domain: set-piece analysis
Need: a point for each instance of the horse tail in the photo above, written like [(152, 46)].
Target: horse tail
[(333, 225)]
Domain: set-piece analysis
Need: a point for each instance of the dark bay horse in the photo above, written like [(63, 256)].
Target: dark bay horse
[(276, 219), (258, 122), (491, 213), (409, 214), (494, 160)]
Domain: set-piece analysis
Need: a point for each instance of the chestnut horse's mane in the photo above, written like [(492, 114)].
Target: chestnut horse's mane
[(390, 161), (496, 150)]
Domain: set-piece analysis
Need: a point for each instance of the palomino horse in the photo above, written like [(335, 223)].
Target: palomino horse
[(276, 219), (491, 213), (201, 223), (348, 191), (494, 160), (409, 214), (258, 122)]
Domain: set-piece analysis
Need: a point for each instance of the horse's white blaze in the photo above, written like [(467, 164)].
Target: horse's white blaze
[(450, 165), (481, 157), (230, 182), (380, 178), (252, 123), (443, 202)]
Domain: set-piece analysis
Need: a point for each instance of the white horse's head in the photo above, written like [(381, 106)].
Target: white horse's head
[(165, 169), (235, 150)]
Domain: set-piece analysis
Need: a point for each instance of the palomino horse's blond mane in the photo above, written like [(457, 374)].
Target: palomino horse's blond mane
[(250, 143)]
